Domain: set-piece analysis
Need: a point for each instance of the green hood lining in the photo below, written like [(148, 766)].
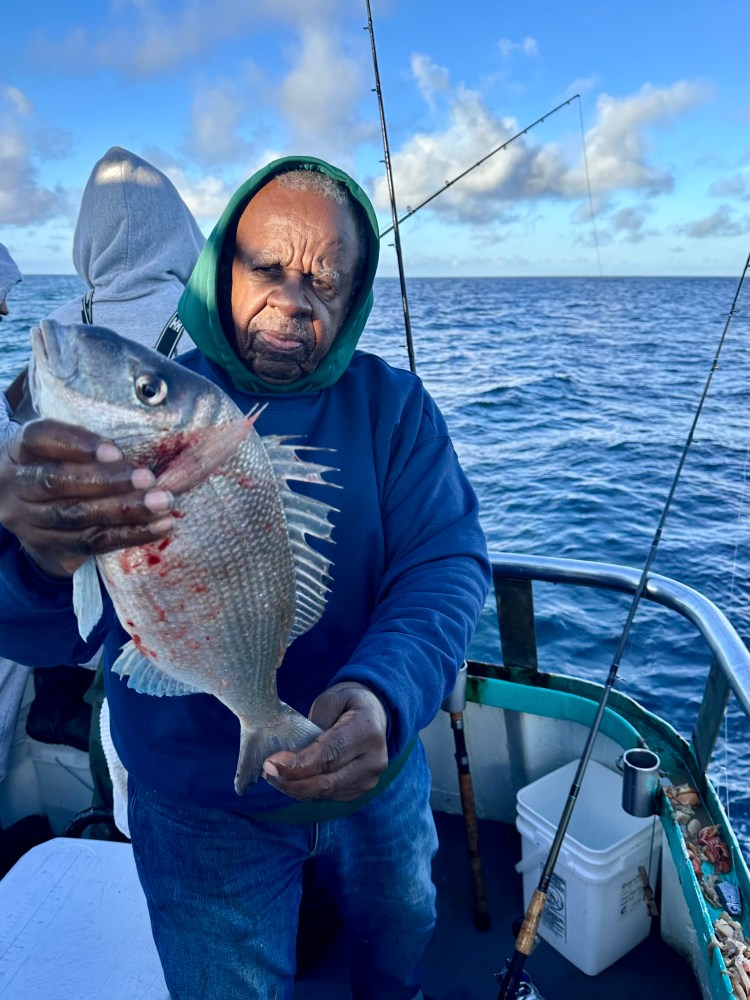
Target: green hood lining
[(198, 308)]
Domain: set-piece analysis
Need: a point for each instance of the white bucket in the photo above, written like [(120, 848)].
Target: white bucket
[(595, 910)]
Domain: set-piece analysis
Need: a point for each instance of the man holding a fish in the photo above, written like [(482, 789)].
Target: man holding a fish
[(362, 581)]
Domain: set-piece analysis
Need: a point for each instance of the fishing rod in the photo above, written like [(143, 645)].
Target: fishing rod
[(456, 701), (484, 159), (391, 193), (510, 978)]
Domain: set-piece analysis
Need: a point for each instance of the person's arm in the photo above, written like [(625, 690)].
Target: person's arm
[(431, 597)]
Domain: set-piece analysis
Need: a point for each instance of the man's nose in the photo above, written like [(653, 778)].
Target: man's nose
[(290, 295)]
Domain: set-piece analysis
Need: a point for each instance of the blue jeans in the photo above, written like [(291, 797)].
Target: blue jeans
[(224, 890)]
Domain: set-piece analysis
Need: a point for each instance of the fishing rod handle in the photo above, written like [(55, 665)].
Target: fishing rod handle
[(527, 935)]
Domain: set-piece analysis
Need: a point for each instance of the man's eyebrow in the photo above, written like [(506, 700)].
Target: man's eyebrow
[(262, 257), (267, 258), (326, 272)]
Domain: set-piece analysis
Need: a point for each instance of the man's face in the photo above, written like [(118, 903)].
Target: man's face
[(292, 276)]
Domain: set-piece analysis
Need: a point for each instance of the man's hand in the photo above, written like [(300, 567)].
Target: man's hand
[(67, 494), (347, 759)]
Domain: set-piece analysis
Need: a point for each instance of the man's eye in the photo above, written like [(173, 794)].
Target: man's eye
[(323, 286)]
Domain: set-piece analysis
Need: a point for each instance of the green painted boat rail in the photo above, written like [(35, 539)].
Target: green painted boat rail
[(729, 672), (626, 721)]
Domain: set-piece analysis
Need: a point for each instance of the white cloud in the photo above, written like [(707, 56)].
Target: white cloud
[(18, 101), (431, 78), (729, 187), (618, 156), (722, 222), (630, 223), (527, 47), (148, 37), (319, 97), (23, 199), (616, 145), (206, 197), (216, 124)]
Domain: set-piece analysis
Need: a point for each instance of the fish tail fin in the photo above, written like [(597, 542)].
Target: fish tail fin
[(288, 731)]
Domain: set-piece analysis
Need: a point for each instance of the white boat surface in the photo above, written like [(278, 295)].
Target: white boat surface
[(75, 923)]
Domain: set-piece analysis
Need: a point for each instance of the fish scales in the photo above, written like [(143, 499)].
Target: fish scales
[(212, 607)]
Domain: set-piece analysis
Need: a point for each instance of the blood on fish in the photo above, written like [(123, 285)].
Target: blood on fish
[(143, 649), (153, 559), (165, 451)]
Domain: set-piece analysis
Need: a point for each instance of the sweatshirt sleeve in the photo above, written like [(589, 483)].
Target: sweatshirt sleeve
[(37, 624), (437, 576)]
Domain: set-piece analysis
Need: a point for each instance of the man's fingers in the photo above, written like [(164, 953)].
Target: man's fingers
[(77, 514), (343, 784), (101, 539), (327, 753), (47, 480), (55, 441)]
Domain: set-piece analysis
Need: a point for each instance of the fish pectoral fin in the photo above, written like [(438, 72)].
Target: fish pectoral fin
[(288, 731), (213, 447), (145, 677), (87, 597)]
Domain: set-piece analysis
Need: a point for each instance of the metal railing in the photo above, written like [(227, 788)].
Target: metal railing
[(513, 576)]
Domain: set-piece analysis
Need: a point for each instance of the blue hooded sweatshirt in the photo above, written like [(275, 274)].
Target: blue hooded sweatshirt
[(410, 568)]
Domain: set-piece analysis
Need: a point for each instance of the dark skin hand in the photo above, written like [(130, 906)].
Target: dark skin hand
[(347, 759), (67, 494)]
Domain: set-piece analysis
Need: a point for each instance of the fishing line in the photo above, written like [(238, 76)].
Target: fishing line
[(510, 978), (743, 492), (588, 187), (508, 142), (391, 193)]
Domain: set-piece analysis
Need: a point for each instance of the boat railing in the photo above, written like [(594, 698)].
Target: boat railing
[(513, 576)]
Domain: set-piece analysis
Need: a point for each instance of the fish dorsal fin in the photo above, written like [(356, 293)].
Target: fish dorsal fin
[(87, 597), (304, 516), (145, 677)]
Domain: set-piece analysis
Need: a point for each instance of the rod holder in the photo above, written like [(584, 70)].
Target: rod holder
[(456, 700), (640, 782)]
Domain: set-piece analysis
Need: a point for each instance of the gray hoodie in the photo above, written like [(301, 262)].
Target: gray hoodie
[(9, 273), (135, 245)]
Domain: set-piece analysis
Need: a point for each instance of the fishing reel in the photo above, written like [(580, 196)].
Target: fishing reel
[(526, 989)]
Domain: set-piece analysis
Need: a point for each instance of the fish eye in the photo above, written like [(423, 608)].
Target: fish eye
[(151, 389)]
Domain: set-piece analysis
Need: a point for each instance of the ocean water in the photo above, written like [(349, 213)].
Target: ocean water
[(569, 401)]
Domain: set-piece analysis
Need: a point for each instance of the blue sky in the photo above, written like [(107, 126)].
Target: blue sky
[(210, 91)]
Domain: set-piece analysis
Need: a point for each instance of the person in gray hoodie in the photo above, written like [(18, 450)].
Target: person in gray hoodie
[(9, 276), (13, 677), (135, 246)]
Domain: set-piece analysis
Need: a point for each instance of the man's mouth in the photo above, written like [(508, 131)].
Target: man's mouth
[(276, 341)]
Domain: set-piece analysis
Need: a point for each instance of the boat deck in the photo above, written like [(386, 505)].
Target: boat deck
[(60, 932), (461, 961)]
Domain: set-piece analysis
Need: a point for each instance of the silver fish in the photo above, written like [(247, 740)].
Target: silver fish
[(212, 607)]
